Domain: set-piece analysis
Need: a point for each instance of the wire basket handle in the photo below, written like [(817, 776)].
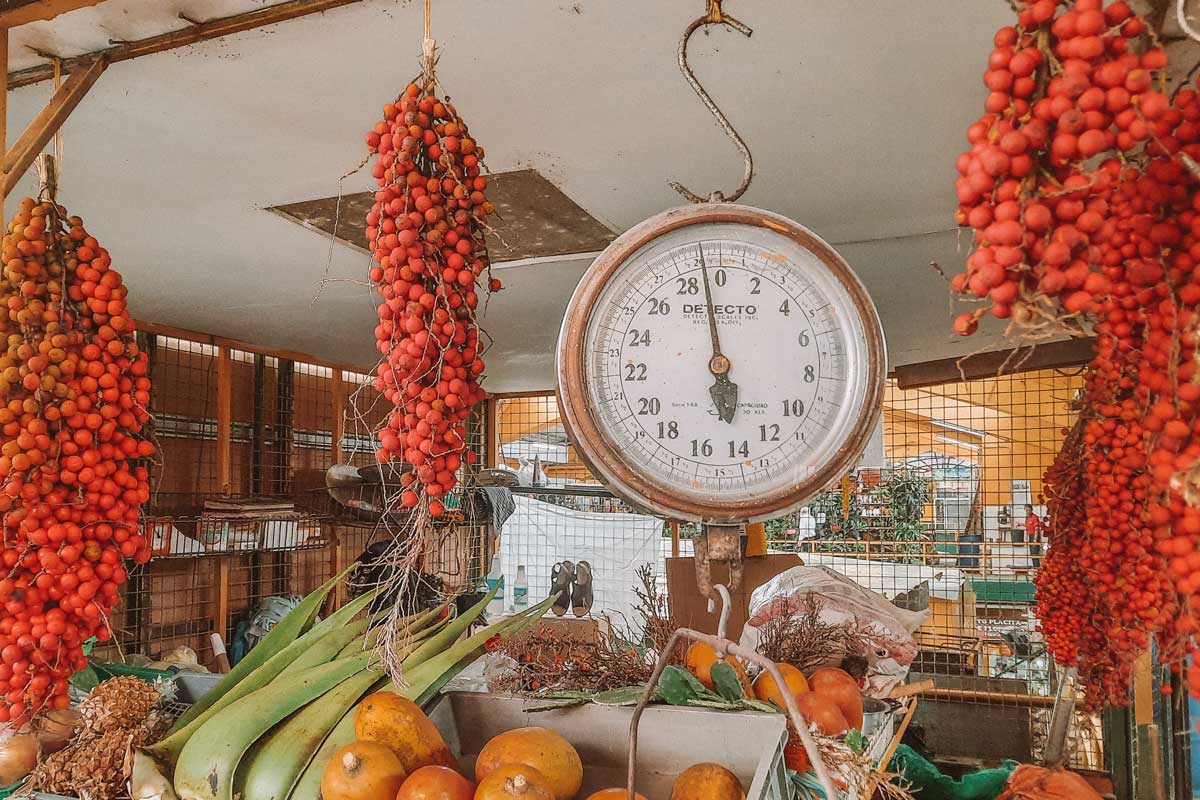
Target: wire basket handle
[(722, 647)]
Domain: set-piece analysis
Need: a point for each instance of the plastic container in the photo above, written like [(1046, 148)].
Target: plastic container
[(521, 589), (191, 686), (670, 739)]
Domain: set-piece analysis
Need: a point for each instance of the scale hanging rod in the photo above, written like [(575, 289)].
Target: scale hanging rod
[(714, 16)]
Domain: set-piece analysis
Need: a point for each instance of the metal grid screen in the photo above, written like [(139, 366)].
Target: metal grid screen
[(942, 516)]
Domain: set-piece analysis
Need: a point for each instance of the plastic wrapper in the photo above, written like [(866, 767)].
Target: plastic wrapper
[(1030, 782), (886, 628)]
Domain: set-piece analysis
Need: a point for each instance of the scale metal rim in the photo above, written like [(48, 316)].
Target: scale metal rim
[(606, 460)]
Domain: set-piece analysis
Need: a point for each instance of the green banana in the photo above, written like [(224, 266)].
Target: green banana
[(207, 763)]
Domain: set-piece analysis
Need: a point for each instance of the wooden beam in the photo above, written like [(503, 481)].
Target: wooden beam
[(491, 454), (20, 156), (41, 10), (224, 420), (1069, 353), (193, 34)]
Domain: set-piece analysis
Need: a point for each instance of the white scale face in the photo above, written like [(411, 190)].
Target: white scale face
[(794, 349)]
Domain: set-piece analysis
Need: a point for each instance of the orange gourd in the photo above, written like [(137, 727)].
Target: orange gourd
[(436, 783), (540, 748), (766, 690), (707, 782), (401, 725), (362, 771), (614, 794), (700, 660), (515, 782)]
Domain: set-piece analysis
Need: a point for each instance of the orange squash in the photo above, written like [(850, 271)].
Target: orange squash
[(614, 794), (840, 687), (707, 782), (700, 660), (540, 748), (400, 724), (766, 690), (823, 712), (436, 783), (514, 782), (362, 771)]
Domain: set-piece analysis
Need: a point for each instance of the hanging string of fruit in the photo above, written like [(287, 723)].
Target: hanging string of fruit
[(426, 232), (73, 397), (1083, 188)]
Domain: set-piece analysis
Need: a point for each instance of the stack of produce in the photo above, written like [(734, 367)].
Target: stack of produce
[(120, 714), (271, 726), (400, 755), (426, 234), (73, 397), (1083, 189)]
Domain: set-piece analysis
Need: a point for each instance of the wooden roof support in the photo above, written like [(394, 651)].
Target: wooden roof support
[(1051, 355), (20, 156), (193, 34), (40, 10)]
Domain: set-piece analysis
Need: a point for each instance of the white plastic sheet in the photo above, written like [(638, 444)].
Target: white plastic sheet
[(886, 627), (538, 535)]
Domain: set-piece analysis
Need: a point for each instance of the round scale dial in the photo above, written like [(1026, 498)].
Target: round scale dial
[(720, 363)]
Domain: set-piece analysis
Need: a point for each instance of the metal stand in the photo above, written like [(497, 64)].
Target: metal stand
[(723, 647), (722, 543)]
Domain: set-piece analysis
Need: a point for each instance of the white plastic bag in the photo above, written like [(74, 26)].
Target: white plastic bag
[(887, 628)]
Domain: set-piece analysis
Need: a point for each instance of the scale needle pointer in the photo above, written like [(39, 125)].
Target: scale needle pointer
[(724, 392)]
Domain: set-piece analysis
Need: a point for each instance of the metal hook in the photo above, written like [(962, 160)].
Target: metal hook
[(714, 16)]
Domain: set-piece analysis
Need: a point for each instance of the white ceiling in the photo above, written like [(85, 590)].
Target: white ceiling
[(855, 113)]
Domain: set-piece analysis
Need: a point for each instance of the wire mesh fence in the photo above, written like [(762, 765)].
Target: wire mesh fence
[(943, 517)]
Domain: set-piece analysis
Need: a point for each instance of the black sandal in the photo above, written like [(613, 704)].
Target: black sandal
[(581, 594), (561, 578)]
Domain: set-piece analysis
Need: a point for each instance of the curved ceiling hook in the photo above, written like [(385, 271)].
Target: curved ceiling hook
[(714, 16)]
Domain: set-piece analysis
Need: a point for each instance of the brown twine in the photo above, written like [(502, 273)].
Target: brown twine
[(428, 54), (58, 137)]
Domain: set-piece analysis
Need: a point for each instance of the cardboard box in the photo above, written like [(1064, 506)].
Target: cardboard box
[(690, 609)]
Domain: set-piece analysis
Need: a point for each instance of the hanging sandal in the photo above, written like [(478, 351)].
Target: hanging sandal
[(561, 578), (581, 594)]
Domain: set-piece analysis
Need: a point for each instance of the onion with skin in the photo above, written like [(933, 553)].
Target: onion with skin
[(55, 729), (18, 755)]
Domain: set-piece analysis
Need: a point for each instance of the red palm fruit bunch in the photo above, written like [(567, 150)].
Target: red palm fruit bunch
[(73, 397), (1065, 88), (431, 264)]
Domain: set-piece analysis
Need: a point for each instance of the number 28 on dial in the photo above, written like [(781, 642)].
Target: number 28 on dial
[(720, 363)]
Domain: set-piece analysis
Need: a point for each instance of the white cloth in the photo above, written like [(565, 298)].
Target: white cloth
[(806, 527), (538, 535)]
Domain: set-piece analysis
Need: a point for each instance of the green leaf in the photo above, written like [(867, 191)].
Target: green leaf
[(624, 696), (856, 741), (679, 687), (85, 679), (726, 681)]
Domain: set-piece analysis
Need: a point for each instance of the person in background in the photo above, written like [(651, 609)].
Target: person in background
[(1033, 534), (806, 529)]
